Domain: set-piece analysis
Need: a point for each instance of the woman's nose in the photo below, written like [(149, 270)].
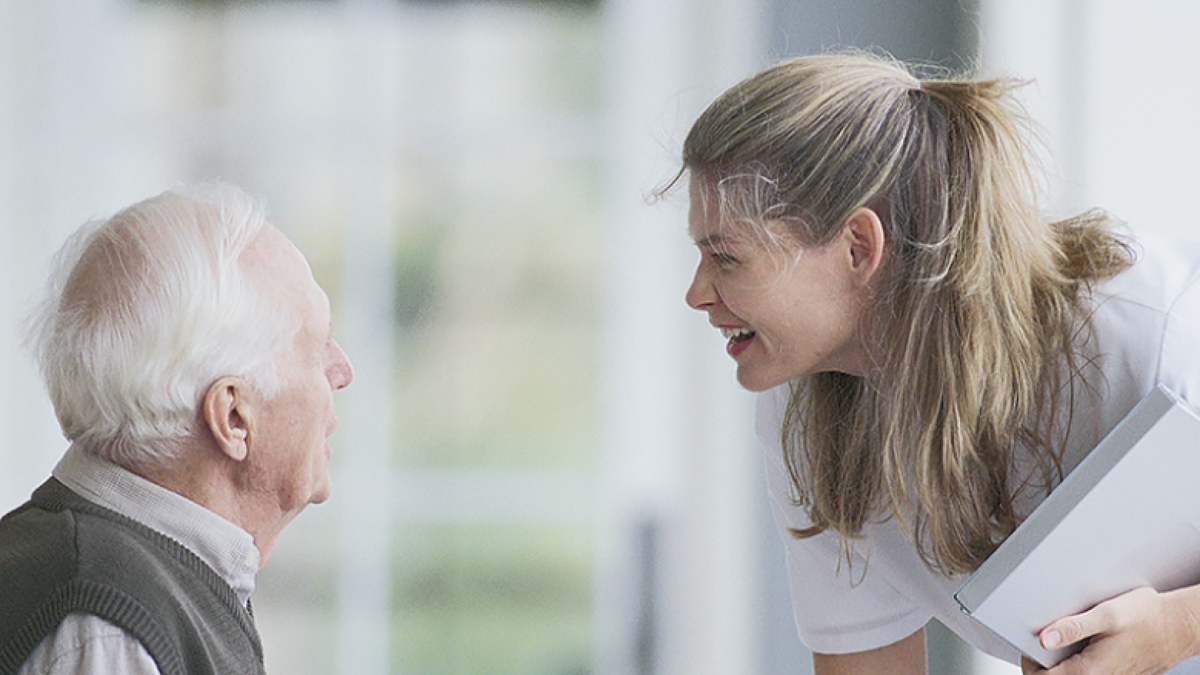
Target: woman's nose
[(700, 295)]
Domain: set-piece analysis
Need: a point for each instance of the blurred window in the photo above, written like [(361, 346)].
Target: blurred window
[(439, 164)]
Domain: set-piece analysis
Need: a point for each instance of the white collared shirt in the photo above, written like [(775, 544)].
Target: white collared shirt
[(88, 644)]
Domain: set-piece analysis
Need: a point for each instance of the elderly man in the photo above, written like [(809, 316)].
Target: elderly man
[(186, 348)]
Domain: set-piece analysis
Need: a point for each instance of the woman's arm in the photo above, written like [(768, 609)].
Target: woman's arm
[(1142, 631), (906, 657)]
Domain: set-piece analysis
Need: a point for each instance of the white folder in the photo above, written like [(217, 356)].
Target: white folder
[(1125, 518)]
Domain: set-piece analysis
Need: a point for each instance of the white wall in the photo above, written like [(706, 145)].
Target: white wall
[(681, 463), (56, 130), (1114, 83)]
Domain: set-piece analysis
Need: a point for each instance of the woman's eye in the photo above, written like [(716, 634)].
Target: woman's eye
[(723, 259)]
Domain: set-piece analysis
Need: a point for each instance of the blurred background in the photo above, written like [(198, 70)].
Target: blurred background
[(544, 464)]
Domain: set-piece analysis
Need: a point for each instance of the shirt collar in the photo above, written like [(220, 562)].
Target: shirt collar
[(223, 546)]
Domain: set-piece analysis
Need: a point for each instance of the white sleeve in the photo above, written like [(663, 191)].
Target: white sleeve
[(1179, 365), (88, 645), (840, 607), (1146, 328)]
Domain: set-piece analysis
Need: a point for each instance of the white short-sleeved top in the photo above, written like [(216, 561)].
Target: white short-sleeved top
[(1146, 331)]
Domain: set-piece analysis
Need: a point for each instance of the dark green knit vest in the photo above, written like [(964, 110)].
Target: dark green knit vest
[(60, 553)]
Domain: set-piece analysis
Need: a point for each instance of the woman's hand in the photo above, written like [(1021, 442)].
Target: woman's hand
[(1140, 632)]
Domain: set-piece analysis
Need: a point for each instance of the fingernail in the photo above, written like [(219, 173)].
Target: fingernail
[(1051, 639)]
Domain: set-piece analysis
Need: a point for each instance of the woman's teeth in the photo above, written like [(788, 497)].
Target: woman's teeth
[(737, 334)]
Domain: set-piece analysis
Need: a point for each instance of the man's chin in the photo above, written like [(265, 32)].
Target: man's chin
[(322, 493)]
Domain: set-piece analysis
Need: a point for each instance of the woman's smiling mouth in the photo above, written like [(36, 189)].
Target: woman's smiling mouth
[(737, 337)]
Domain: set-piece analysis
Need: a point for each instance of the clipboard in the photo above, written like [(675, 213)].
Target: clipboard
[(1127, 517)]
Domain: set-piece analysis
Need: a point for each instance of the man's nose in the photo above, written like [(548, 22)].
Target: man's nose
[(340, 372)]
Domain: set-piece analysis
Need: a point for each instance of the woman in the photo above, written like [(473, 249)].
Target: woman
[(934, 354)]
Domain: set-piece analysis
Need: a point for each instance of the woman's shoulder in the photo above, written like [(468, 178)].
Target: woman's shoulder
[(1166, 269), (1144, 327)]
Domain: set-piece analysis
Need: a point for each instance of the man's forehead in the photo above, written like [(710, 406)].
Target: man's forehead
[(272, 253)]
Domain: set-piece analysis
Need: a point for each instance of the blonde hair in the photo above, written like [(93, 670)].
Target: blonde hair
[(981, 305)]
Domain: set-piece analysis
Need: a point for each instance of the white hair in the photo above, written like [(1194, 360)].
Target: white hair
[(146, 310)]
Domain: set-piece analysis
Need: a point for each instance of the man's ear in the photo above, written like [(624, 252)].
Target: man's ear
[(864, 235), (228, 415)]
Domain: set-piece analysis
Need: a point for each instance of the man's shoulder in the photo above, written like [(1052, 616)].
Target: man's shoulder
[(86, 643), (38, 547), (52, 532), (70, 556), (59, 536)]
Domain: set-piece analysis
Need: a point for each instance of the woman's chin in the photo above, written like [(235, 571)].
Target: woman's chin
[(756, 382)]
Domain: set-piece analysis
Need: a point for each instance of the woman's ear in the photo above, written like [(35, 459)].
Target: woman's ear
[(228, 416), (866, 244)]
